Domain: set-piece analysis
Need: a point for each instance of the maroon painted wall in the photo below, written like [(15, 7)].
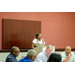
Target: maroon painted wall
[(57, 28)]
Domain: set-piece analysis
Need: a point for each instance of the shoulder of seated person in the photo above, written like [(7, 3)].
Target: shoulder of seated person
[(72, 53), (63, 53), (40, 54)]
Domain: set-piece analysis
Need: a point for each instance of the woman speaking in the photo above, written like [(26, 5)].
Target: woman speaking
[(37, 41)]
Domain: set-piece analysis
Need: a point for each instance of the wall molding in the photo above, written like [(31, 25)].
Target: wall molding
[(25, 50), (62, 49), (8, 50)]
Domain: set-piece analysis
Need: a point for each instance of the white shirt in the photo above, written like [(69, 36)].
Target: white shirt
[(35, 41), (41, 57), (64, 56)]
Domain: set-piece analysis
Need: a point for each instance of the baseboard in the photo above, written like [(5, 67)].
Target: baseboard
[(25, 50), (8, 50)]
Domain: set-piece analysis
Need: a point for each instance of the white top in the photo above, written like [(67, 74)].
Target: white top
[(35, 41), (64, 56), (41, 57)]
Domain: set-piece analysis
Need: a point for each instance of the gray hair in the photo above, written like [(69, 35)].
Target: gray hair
[(49, 46), (31, 52), (13, 48)]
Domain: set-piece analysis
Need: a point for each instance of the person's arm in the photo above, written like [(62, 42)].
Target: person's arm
[(67, 59), (43, 41), (33, 45), (22, 57)]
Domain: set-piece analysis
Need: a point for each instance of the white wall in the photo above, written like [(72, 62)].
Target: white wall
[(3, 55)]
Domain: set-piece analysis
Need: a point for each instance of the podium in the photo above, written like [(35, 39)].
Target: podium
[(39, 49), (42, 48)]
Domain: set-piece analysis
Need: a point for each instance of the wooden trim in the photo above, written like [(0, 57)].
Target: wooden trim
[(25, 50), (8, 50), (73, 49)]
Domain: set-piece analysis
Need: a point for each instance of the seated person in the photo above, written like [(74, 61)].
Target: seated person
[(67, 55), (38, 41), (31, 55), (43, 56), (54, 57), (12, 56)]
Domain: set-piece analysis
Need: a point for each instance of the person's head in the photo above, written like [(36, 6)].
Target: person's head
[(49, 50), (38, 36), (54, 57), (15, 51), (31, 54), (68, 50)]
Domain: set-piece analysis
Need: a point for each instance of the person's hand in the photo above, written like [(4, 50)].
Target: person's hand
[(23, 57), (69, 55)]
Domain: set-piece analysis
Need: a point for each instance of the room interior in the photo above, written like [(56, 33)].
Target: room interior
[(57, 29)]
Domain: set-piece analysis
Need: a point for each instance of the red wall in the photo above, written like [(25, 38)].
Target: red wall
[(57, 28)]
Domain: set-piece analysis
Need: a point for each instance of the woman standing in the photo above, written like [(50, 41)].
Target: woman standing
[(37, 41)]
